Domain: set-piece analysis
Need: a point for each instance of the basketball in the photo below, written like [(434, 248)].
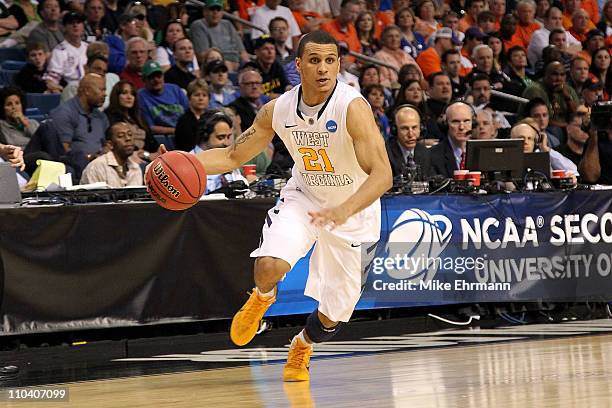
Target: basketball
[(176, 180)]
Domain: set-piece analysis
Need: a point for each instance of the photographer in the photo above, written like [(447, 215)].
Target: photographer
[(406, 155), (596, 163)]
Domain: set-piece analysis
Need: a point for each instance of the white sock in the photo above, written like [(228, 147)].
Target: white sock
[(266, 295), (303, 338)]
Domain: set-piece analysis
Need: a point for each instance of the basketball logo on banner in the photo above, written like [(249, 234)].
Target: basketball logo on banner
[(419, 236)]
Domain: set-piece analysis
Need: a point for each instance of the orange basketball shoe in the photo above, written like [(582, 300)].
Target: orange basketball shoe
[(246, 322), (298, 361)]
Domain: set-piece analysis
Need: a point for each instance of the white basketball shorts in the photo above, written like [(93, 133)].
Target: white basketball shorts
[(335, 275)]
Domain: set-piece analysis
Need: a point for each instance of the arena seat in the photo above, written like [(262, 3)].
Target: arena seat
[(44, 102)]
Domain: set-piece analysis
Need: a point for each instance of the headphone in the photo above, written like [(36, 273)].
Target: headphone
[(395, 130), (539, 135), (445, 124), (206, 124)]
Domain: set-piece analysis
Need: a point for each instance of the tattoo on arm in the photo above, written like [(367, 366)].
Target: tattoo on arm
[(243, 138)]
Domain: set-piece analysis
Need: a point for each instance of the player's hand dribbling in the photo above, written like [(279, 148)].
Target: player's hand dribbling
[(332, 217)]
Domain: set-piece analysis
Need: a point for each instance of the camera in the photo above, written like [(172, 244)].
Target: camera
[(601, 115)]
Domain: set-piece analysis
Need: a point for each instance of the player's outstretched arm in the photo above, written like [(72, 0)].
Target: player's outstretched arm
[(372, 157), (246, 146)]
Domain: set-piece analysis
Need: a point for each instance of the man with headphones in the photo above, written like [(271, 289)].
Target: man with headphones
[(449, 155), (215, 131), (405, 154)]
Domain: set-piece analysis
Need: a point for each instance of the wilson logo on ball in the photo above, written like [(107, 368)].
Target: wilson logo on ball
[(159, 171)]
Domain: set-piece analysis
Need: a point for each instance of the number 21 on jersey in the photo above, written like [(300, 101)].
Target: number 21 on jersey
[(311, 159)]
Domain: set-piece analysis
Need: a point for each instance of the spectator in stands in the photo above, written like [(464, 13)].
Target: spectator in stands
[(426, 23), (274, 79), (161, 104), (601, 69), (251, 98), (365, 27), (182, 72), (392, 54), (557, 38), (560, 98), (449, 155), (581, 24), (480, 89), (342, 27), (496, 43), (451, 65), (15, 128), (221, 91), (507, 30), (279, 31), (542, 6), (593, 91), (49, 30), (112, 15), (405, 154), (451, 20), (80, 125), (30, 77), (137, 55), (473, 37), (375, 95), (215, 131), (264, 14), (213, 31), (596, 163), (577, 138), (516, 72), (139, 10), (185, 136), (579, 73), (412, 42), (430, 60), (68, 59), (470, 19), (486, 22), (23, 12), (213, 54), (345, 64), (535, 140), (116, 168), (526, 21), (307, 19), (594, 41), (540, 38), (117, 43), (94, 13), (96, 64), (411, 93), (538, 110), (498, 8), (483, 58), (486, 125), (124, 107), (605, 24), (173, 31), (440, 94)]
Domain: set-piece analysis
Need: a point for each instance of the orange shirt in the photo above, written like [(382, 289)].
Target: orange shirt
[(567, 23), (466, 22), (584, 54), (302, 17), (514, 41), (579, 36), (382, 20), (523, 33), (349, 36), (592, 9), (429, 61), (246, 8)]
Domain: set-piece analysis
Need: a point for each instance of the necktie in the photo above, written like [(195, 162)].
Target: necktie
[(410, 161), (462, 164)]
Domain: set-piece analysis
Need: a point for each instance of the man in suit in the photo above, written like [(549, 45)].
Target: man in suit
[(449, 155), (405, 154)]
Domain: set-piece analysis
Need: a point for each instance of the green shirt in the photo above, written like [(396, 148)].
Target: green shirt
[(555, 101)]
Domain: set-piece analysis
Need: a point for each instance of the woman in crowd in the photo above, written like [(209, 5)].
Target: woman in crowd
[(173, 32), (412, 93), (124, 107), (185, 137), (365, 31), (212, 54), (370, 74), (605, 24), (601, 70), (139, 10), (392, 54), (375, 94), (411, 42), (426, 23), (496, 43), (15, 128)]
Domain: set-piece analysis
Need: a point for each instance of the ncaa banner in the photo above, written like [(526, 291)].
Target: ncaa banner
[(480, 248)]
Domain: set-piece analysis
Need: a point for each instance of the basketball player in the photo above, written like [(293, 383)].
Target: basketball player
[(332, 200)]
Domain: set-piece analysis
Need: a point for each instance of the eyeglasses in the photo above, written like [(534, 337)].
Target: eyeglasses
[(251, 83)]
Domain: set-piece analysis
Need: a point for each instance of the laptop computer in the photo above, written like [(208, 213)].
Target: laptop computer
[(9, 187)]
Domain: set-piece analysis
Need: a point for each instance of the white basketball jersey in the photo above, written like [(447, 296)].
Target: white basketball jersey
[(326, 167)]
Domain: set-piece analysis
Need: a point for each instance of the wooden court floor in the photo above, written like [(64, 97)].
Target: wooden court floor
[(562, 372)]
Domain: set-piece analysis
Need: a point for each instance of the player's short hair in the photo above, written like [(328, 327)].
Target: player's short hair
[(317, 37)]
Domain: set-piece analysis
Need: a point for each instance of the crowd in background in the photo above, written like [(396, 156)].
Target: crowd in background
[(132, 75)]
